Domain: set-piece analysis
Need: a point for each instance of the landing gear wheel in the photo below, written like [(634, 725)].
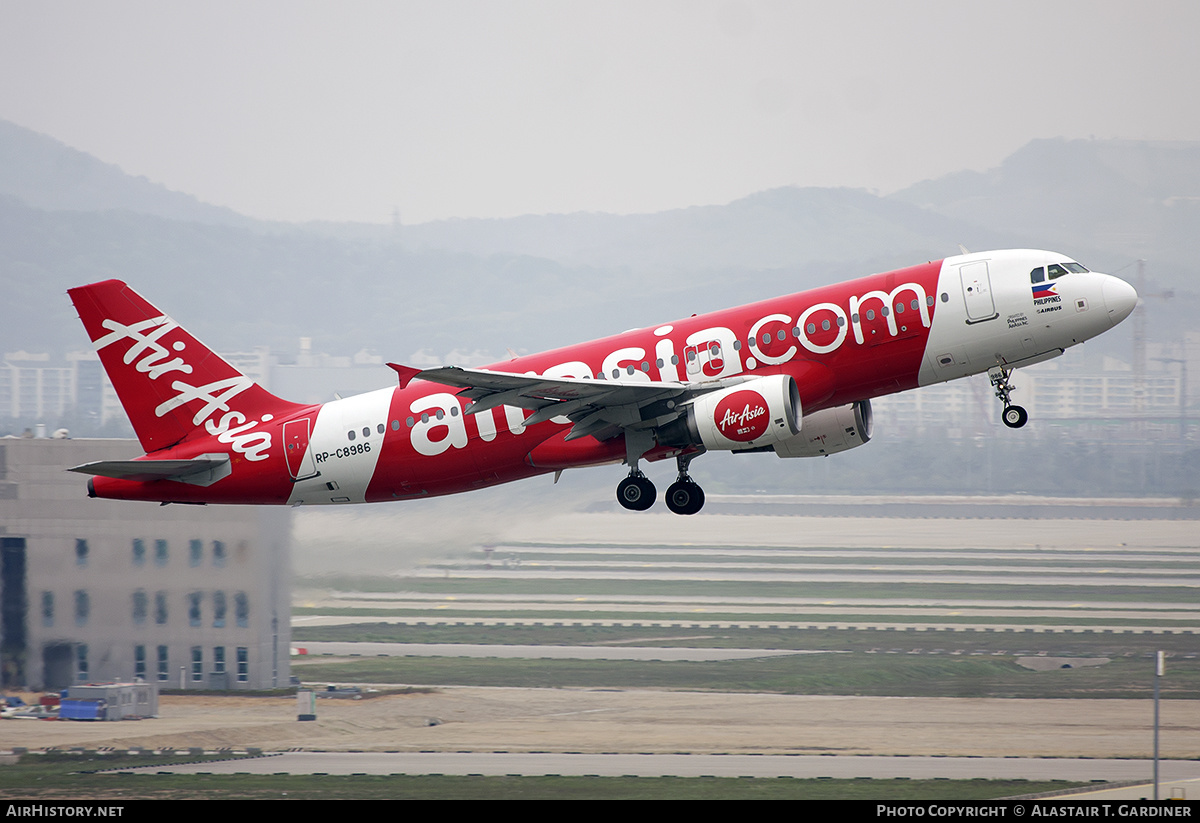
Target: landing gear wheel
[(636, 493), (685, 497), (1015, 417)]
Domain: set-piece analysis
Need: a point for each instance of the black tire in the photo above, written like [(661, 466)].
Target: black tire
[(636, 493), (685, 497), (1015, 417)]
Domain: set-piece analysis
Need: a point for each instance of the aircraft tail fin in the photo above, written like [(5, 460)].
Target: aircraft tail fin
[(172, 386)]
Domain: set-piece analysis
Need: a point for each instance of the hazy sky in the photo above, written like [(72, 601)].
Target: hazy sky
[(344, 111)]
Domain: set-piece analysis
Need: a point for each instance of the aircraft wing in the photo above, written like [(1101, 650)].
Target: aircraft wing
[(594, 406)]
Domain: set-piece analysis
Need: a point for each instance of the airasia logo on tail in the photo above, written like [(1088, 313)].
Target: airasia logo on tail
[(148, 348), (742, 416)]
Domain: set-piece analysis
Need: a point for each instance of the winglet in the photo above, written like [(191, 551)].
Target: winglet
[(406, 373)]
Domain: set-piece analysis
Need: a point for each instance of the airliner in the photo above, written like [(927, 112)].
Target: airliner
[(792, 375)]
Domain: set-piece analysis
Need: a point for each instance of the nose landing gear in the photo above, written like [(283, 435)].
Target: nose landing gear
[(1013, 416)]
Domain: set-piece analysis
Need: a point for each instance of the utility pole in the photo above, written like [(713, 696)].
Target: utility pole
[(1158, 673)]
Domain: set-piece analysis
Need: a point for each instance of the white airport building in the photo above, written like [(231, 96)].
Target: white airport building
[(95, 591)]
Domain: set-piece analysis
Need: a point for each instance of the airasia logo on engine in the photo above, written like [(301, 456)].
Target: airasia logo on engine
[(742, 416)]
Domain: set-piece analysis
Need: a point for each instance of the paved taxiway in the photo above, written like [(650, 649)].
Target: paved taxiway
[(694, 765), (368, 649)]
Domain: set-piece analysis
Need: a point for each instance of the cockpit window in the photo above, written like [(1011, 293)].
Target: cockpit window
[(1056, 271), (1037, 275)]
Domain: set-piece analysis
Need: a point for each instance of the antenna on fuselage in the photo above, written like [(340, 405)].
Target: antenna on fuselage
[(962, 249)]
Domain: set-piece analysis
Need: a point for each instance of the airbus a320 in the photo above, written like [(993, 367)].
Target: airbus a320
[(793, 375)]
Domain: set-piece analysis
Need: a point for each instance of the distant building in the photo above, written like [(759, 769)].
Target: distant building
[(1111, 398), (33, 388), (102, 591)]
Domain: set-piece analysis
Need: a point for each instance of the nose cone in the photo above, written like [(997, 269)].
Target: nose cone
[(1119, 298)]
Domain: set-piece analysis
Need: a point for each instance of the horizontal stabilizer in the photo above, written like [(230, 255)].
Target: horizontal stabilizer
[(198, 471)]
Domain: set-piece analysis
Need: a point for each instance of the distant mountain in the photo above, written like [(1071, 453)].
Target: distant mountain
[(46, 174), (785, 227), (1129, 199), (238, 289)]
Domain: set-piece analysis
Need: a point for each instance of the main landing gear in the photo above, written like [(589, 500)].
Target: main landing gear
[(636, 492), (1013, 416), (684, 496)]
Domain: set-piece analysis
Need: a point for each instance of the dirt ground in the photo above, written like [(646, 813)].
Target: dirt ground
[(570, 720)]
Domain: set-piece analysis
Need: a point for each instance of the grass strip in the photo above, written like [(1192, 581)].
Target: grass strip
[(825, 674), (73, 777)]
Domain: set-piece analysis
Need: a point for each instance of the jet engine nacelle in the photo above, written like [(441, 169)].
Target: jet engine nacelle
[(830, 431), (750, 415)]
